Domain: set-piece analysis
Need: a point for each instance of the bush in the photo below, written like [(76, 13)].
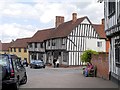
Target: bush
[(87, 55)]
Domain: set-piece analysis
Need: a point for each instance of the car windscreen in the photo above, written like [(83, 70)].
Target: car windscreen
[(38, 61), (3, 60)]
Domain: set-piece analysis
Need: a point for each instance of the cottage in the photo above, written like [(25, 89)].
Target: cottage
[(67, 41)]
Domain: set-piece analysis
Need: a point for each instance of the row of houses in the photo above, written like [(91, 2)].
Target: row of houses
[(66, 41)]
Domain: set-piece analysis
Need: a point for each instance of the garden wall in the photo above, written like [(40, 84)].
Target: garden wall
[(102, 64)]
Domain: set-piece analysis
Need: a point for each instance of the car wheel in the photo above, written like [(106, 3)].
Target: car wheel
[(24, 80), (30, 66), (16, 85)]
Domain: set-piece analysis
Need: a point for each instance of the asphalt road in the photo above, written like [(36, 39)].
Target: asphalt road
[(63, 78)]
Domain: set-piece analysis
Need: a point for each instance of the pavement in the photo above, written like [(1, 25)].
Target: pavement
[(63, 78)]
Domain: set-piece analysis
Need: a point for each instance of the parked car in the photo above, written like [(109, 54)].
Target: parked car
[(0, 77), (37, 64), (13, 72)]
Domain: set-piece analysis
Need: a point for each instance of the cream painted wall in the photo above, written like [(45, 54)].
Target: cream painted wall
[(92, 44), (21, 54)]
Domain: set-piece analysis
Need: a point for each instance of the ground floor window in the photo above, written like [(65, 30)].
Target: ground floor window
[(117, 50)]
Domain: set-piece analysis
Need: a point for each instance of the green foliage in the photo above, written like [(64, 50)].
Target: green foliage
[(87, 55)]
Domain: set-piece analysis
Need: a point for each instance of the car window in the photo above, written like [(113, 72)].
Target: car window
[(3, 60)]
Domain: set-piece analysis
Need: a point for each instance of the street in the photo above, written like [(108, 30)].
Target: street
[(63, 78)]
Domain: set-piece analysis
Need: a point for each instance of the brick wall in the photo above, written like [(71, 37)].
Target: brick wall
[(101, 61)]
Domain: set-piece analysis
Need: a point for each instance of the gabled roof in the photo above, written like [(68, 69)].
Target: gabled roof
[(100, 30), (20, 43), (4, 46), (64, 29)]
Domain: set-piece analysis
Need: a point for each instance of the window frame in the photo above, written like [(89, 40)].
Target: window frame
[(99, 44), (53, 42), (35, 45), (117, 52), (111, 8), (19, 49), (25, 49), (14, 49)]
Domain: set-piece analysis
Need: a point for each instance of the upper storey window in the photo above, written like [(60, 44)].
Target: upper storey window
[(111, 8)]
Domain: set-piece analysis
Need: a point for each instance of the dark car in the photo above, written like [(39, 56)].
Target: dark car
[(0, 77), (37, 64), (13, 72)]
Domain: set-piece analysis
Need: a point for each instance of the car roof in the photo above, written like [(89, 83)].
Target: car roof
[(9, 55)]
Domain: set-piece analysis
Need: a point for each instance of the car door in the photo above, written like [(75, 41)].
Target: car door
[(20, 69), (0, 77)]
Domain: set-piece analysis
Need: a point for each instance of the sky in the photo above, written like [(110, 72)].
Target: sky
[(23, 18)]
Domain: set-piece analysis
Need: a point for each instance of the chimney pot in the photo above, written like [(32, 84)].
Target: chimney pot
[(74, 17)]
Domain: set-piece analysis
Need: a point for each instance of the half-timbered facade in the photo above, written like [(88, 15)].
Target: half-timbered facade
[(68, 40), (112, 29)]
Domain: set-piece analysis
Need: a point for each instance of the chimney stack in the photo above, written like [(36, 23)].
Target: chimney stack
[(59, 20), (74, 17), (103, 21)]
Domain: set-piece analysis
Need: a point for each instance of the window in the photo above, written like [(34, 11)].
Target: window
[(35, 45), (41, 45), (49, 43), (19, 49), (60, 53), (117, 52), (63, 41), (99, 44), (111, 8), (30, 45), (25, 49), (14, 49), (53, 42), (11, 49), (118, 13)]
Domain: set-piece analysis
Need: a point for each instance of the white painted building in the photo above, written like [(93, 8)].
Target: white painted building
[(112, 29)]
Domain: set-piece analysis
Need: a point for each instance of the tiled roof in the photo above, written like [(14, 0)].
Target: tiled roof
[(20, 43), (63, 30), (41, 35), (4, 46), (100, 30), (66, 28)]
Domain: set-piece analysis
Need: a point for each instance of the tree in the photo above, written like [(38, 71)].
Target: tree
[(87, 55)]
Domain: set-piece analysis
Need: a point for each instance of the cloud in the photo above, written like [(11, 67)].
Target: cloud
[(43, 11), (13, 31)]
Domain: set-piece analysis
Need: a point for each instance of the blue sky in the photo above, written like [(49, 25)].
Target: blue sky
[(22, 18)]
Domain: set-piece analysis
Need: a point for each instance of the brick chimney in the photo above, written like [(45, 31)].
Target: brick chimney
[(74, 17), (103, 21), (59, 20)]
